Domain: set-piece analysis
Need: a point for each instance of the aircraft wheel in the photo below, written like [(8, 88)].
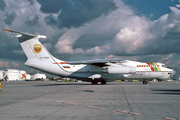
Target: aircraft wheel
[(103, 82), (145, 82), (94, 82)]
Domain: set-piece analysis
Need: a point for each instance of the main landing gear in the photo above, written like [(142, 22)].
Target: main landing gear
[(145, 81), (94, 82)]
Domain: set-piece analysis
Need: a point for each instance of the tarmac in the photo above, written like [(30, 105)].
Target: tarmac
[(49, 100)]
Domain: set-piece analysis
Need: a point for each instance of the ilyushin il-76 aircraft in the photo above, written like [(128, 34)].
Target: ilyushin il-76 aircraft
[(94, 71)]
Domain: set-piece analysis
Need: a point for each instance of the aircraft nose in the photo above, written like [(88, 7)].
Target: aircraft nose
[(174, 72)]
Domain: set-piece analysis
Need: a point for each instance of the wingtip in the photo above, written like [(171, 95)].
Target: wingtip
[(7, 30)]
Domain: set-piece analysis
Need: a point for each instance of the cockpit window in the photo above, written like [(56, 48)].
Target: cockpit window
[(163, 65), (166, 66)]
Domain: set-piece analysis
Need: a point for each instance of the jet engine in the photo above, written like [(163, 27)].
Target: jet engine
[(119, 70)]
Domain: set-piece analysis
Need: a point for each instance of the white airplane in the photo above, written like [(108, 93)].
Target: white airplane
[(94, 71)]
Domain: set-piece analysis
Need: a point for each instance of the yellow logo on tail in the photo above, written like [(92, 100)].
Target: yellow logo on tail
[(37, 48)]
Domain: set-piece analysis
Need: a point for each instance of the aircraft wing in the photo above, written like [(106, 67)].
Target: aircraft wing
[(96, 61), (99, 63)]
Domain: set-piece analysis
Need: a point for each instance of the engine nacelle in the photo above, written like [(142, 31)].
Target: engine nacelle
[(120, 70)]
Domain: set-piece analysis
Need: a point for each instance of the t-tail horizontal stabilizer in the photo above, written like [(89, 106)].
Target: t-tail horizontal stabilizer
[(24, 36)]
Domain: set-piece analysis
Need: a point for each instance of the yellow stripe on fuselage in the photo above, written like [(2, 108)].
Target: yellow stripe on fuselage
[(159, 69)]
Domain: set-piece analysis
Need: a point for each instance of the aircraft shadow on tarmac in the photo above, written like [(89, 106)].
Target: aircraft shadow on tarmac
[(62, 84), (166, 91), (74, 83)]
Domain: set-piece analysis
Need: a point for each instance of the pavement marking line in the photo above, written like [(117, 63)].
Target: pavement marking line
[(122, 111), (10, 100), (41, 100), (126, 112), (95, 107), (169, 119), (68, 103), (133, 101), (88, 101), (56, 101), (133, 113), (149, 101)]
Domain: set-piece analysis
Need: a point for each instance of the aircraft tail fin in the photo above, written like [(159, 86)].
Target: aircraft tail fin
[(31, 45), (33, 49)]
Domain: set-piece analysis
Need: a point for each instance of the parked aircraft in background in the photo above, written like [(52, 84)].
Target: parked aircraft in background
[(94, 71), (1, 78)]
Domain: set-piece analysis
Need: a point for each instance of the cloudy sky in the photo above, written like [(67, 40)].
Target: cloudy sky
[(146, 31)]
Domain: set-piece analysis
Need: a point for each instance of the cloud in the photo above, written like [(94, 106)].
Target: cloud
[(121, 30), (167, 57), (130, 40), (10, 18), (18, 52), (79, 51), (166, 31), (2, 5), (15, 65), (4, 64), (66, 41), (51, 20), (94, 51), (65, 46), (109, 57), (22, 16), (31, 2), (74, 13), (178, 6), (115, 25), (142, 36), (32, 20)]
